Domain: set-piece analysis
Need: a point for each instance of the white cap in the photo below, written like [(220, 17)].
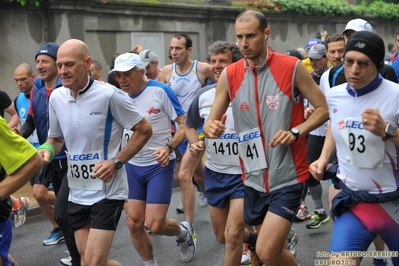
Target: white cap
[(126, 61), (358, 24), (147, 57)]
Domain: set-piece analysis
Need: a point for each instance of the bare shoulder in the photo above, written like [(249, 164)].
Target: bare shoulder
[(165, 73), (205, 70)]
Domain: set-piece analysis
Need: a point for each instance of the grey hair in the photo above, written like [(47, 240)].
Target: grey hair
[(221, 47)]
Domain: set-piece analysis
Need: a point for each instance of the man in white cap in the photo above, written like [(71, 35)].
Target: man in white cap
[(150, 63), (150, 172)]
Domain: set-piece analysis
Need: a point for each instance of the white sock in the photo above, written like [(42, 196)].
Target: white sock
[(152, 262)]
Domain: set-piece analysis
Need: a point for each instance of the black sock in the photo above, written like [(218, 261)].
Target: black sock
[(252, 238)]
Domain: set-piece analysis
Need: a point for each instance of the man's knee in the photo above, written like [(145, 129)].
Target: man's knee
[(268, 256), (134, 223), (40, 193)]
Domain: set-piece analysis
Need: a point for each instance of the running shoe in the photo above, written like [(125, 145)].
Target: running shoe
[(246, 256), (202, 199), (194, 233), (318, 219), (20, 213), (292, 242), (303, 213), (188, 248), (66, 261), (380, 262), (180, 208), (55, 237)]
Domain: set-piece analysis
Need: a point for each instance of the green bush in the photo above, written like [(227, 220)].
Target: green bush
[(24, 2)]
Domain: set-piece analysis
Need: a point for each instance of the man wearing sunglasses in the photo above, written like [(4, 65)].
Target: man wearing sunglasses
[(363, 131)]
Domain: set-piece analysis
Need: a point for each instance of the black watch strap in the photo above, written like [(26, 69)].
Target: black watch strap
[(170, 147)]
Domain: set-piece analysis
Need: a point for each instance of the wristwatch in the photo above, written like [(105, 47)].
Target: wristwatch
[(390, 131), (170, 147), (295, 132), (118, 164)]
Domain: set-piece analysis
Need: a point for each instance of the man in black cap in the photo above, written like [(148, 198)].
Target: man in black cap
[(363, 132)]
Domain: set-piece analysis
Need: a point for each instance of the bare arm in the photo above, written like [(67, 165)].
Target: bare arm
[(105, 170), (19, 178), (165, 74), (205, 72), (164, 152), (57, 144), (309, 89), (14, 121), (142, 132), (214, 126), (197, 147)]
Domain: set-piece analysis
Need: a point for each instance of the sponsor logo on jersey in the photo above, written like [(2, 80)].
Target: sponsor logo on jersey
[(153, 111), (272, 101), (228, 136), (350, 124), (244, 107), (84, 157), (95, 113), (249, 136)]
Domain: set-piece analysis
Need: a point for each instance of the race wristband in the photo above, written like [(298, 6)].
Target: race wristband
[(49, 147)]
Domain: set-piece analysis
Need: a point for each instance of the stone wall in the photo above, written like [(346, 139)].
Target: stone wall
[(116, 27)]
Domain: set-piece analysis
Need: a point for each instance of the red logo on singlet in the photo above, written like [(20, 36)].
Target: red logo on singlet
[(341, 124), (272, 101), (153, 111), (244, 107)]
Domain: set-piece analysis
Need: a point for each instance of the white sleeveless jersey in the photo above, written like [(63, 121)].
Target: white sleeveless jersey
[(92, 126), (159, 105), (221, 153), (185, 86), (366, 162)]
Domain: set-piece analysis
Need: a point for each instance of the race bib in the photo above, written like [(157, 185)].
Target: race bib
[(364, 149), (250, 149), (81, 169), (223, 151), (127, 134)]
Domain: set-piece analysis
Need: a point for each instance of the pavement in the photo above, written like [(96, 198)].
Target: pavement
[(28, 250)]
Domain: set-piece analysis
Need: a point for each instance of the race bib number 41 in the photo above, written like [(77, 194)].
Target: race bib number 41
[(250, 149), (81, 169), (364, 149)]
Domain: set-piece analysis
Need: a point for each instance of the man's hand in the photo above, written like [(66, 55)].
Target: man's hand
[(373, 122), (317, 168), (45, 154), (197, 148), (282, 137), (162, 156), (104, 170), (16, 131), (213, 129)]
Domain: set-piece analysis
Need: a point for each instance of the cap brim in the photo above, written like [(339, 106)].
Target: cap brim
[(315, 56), (145, 63), (121, 69), (354, 29)]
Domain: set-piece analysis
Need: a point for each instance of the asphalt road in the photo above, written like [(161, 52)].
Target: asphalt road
[(28, 250)]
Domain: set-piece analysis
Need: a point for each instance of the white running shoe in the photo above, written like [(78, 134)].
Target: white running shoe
[(188, 248)]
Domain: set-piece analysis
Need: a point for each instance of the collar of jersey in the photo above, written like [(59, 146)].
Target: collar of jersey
[(369, 88), (91, 80)]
